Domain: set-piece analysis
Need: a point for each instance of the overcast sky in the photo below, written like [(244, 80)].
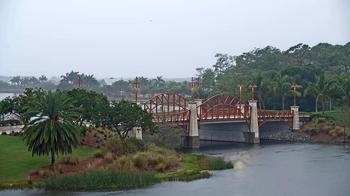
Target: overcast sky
[(115, 38)]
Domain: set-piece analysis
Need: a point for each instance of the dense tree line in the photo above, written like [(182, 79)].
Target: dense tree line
[(322, 71)]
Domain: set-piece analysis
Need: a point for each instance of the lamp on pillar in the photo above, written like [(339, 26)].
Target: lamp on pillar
[(240, 86), (194, 84), (136, 86), (252, 136), (295, 108), (252, 86), (79, 83)]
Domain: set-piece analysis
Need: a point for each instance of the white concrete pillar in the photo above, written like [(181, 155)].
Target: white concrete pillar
[(254, 126), (137, 132), (296, 120), (193, 131), (198, 103)]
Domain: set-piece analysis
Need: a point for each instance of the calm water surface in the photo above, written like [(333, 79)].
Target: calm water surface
[(264, 170)]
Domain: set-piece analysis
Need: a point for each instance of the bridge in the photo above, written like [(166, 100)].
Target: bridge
[(171, 108)]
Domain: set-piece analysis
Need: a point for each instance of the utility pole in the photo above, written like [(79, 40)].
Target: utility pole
[(136, 86)]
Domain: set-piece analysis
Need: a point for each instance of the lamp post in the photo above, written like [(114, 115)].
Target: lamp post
[(240, 94), (252, 86), (294, 87), (194, 84), (136, 86), (79, 82)]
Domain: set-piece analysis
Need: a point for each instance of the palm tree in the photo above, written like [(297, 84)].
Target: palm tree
[(320, 89), (281, 87), (51, 130)]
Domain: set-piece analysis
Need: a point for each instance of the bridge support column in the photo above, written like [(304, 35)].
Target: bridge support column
[(192, 140), (137, 132), (296, 120), (253, 135)]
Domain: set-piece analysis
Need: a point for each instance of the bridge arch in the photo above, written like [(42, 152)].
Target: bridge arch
[(222, 106), (167, 107)]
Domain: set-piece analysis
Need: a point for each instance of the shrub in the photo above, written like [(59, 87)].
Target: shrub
[(167, 137), (108, 157), (98, 155), (119, 147), (153, 159), (70, 160)]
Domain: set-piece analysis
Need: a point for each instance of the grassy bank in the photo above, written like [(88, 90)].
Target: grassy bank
[(328, 127), (191, 167), (16, 161), (130, 165), (99, 180)]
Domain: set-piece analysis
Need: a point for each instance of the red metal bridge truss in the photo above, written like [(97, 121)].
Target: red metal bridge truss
[(173, 108)]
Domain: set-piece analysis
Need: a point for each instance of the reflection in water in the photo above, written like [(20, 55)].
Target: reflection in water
[(265, 170)]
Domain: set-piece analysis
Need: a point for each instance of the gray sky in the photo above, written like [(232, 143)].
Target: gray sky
[(114, 38)]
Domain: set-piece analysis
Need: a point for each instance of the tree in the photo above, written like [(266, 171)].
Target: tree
[(223, 62), (16, 80), (90, 105), (23, 102), (124, 115), (51, 130), (6, 107), (42, 78), (281, 87), (319, 89)]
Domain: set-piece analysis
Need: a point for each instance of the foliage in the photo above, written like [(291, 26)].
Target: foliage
[(91, 105), (167, 137), (152, 158), (52, 130), (120, 147), (196, 166), (75, 79), (99, 180), (124, 115)]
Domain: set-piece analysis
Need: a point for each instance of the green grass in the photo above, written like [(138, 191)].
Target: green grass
[(16, 161), (99, 180), (341, 118), (195, 167)]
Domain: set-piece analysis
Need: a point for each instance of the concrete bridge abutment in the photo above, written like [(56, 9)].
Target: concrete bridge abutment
[(296, 119), (192, 139), (252, 135)]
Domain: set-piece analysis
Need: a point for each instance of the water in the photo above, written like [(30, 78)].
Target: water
[(264, 170), (4, 95)]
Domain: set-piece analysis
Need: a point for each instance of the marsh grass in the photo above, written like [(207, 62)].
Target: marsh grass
[(99, 180), (196, 167)]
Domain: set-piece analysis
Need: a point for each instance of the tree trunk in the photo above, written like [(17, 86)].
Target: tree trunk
[(316, 110), (53, 158), (282, 102), (330, 104)]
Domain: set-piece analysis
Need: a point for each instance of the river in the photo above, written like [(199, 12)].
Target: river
[(4, 95), (264, 170)]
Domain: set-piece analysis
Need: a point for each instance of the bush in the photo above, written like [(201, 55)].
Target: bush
[(153, 159), (119, 147), (70, 160), (99, 180), (167, 137)]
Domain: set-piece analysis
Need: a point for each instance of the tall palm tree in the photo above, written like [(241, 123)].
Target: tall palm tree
[(52, 130), (281, 87), (320, 89)]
